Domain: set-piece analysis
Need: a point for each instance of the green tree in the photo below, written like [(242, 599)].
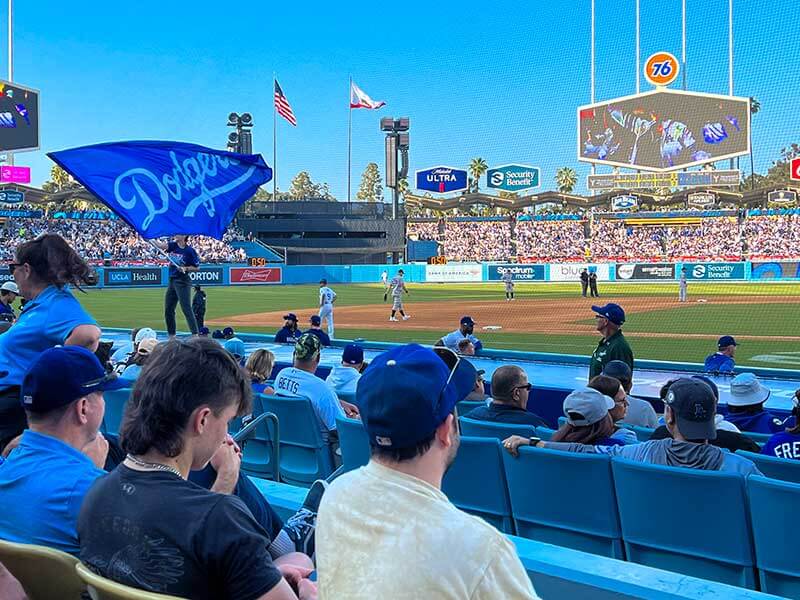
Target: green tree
[(302, 187), (477, 167), (402, 187), (59, 181), (371, 188), (566, 178)]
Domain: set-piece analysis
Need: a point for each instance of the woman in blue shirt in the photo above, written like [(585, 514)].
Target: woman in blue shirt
[(43, 269)]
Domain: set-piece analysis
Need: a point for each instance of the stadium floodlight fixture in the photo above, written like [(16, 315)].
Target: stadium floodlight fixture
[(233, 119), (246, 120), (387, 124), (233, 138), (402, 124), (402, 141)]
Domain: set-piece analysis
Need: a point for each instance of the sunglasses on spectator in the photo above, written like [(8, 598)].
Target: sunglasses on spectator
[(527, 386), (12, 267)]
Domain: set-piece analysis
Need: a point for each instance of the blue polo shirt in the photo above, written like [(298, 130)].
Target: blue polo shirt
[(42, 485), (47, 321), (185, 257), (451, 340)]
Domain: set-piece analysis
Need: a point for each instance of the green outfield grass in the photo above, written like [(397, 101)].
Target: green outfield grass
[(140, 307)]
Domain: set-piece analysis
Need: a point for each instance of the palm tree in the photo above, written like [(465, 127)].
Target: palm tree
[(477, 167), (402, 187), (755, 106), (566, 178)]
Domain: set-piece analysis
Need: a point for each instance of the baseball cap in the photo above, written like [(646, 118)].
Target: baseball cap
[(146, 346), (290, 317), (693, 403), (228, 333), (586, 406), (480, 373), (710, 383), (235, 346), (407, 392), (10, 286), (353, 354), (306, 346), (217, 335), (612, 312), (726, 340), (324, 281), (204, 331), (145, 333), (618, 369), (746, 389), (467, 321), (64, 374), (315, 320)]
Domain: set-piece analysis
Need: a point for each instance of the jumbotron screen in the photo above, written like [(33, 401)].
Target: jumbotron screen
[(19, 118), (664, 130)]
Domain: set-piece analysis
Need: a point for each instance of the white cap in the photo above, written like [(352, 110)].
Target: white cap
[(145, 333), (10, 286)]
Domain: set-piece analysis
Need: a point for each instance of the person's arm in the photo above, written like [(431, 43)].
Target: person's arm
[(475, 342), (226, 462), (87, 336), (194, 265), (504, 576)]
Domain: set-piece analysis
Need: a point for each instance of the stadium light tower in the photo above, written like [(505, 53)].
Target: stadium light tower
[(397, 141), (241, 140)]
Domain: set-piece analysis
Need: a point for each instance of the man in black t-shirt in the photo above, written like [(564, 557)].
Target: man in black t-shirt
[(510, 394), (146, 526)]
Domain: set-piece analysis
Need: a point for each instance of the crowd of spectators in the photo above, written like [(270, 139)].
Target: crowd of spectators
[(477, 240), (423, 230), (550, 240), (773, 236)]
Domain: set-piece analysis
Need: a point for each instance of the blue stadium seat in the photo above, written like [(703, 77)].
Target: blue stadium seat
[(115, 408), (261, 451), (304, 455), (544, 433), (785, 469), (566, 499), (758, 438), (351, 397), (686, 520), (773, 510), (466, 406), (476, 482), (500, 431), (643, 434), (353, 442)]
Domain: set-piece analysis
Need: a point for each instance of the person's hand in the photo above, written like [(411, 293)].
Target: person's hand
[(97, 450), (351, 410), (513, 443), (226, 462), (307, 590)]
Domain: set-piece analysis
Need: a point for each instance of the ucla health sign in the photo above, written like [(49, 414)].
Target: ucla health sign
[(715, 271), (513, 178), (442, 180)]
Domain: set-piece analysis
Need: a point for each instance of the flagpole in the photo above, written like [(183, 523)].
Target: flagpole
[(274, 144), (349, 133)]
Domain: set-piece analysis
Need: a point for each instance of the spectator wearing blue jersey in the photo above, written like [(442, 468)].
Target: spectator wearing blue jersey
[(465, 331), (588, 419), (289, 333), (746, 406), (259, 366), (316, 329), (722, 360), (786, 444), (689, 409)]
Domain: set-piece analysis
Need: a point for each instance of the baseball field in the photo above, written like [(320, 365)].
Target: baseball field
[(548, 317)]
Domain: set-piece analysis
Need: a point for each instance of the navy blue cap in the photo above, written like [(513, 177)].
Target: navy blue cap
[(353, 354), (217, 335), (694, 405), (204, 331), (612, 312), (618, 369), (64, 374), (467, 321), (228, 333), (315, 320), (404, 394), (290, 317), (726, 340)]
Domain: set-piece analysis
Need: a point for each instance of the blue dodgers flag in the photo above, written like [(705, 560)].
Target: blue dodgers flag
[(167, 188)]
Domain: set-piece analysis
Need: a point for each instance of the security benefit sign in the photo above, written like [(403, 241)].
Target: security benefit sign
[(132, 276), (442, 180), (646, 271), (518, 272), (513, 178), (715, 271)]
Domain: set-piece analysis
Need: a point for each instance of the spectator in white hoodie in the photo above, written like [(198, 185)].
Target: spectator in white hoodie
[(343, 378)]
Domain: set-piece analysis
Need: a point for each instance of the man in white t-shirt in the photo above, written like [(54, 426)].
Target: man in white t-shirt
[(326, 299), (299, 380), (386, 530), (343, 378)]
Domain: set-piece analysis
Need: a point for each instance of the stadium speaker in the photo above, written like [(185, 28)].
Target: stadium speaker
[(391, 161)]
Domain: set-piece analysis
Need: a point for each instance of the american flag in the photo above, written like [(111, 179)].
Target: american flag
[(282, 105)]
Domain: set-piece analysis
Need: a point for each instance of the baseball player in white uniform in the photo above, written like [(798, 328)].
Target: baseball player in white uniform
[(508, 279), (682, 285), (398, 286), (326, 299), (385, 278)]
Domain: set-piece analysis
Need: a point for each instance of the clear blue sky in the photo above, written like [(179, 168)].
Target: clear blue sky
[(499, 80)]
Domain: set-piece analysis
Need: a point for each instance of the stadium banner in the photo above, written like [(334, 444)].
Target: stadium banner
[(453, 273), (518, 272), (5, 275), (21, 214), (646, 271), (128, 277), (768, 270), (714, 271), (208, 276), (572, 271), (255, 275)]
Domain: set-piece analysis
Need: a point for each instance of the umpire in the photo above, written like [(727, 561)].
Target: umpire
[(584, 282), (613, 346)]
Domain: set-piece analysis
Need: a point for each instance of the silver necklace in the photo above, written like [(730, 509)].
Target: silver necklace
[(155, 466)]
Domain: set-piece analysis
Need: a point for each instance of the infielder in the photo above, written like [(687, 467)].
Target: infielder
[(326, 299), (682, 286), (385, 279), (398, 286), (508, 279)]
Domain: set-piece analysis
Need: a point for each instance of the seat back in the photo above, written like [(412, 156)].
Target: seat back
[(544, 433), (347, 397), (304, 455), (115, 408), (702, 527), (466, 406), (758, 438), (785, 469), (44, 573), (499, 431), (101, 588), (773, 507), (260, 454), (643, 434), (354, 443), (549, 490), (476, 482)]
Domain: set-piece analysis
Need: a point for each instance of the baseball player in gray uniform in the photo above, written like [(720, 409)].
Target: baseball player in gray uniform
[(508, 279), (397, 286), (682, 286)]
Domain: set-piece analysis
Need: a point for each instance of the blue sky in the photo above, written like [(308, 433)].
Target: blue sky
[(498, 80)]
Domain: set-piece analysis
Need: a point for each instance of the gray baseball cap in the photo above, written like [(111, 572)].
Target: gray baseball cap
[(694, 405), (586, 406)]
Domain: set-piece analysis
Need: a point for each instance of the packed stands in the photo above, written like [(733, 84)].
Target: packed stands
[(477, 240), (773, 236), (547, 240)]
